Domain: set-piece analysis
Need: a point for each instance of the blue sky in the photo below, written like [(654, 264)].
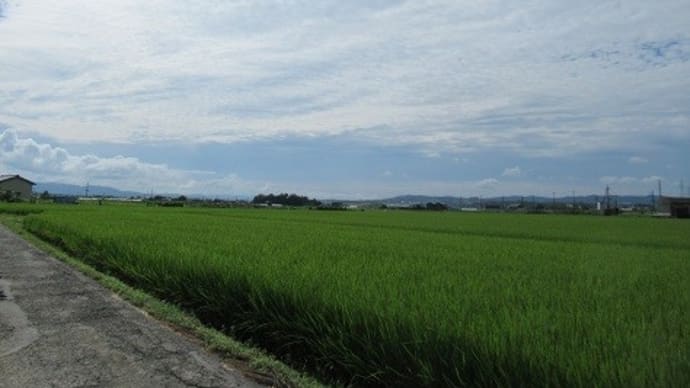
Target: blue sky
[(357, 99)]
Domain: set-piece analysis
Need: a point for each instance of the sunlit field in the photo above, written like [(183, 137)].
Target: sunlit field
[(413, 298)]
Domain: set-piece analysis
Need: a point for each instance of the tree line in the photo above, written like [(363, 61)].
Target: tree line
[(285, 199)]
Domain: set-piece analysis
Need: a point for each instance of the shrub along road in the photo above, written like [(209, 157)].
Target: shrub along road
[(60, 328)]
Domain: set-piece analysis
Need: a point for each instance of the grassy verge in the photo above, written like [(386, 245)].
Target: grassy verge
[(253, 362)]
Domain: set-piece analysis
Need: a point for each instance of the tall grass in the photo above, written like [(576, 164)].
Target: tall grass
[(21, 208), (415, 299)]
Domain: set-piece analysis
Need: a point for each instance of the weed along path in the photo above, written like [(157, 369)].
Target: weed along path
[(60, 328)]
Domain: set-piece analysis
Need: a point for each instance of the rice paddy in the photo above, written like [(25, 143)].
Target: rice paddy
[(413, 298)]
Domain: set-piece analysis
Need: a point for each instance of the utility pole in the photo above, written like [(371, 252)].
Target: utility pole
[(573, 192), (86, 190), (682, 188), (659, 183), (608, 197)]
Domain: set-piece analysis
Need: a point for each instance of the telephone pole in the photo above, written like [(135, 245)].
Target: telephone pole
[(573, 192), (682, 188), (608, 198)]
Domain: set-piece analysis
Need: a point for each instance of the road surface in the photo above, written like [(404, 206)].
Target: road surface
[(59, 328)]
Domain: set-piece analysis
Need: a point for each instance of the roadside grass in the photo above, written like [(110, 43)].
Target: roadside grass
[(253, 362)]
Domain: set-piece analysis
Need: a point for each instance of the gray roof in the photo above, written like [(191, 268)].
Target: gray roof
[(7, 177)]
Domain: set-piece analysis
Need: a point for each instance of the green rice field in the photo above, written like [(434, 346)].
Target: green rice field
[(401, 298)]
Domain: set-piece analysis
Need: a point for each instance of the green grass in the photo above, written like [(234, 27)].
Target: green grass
[(256, 364), (414, 299), (22, 209)]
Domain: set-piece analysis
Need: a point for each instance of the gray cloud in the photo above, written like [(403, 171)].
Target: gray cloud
[(542, 78)]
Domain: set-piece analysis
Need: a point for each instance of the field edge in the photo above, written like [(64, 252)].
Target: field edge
[(253, 362)]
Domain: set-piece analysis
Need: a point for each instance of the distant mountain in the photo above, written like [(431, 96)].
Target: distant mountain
[(421, 199), (455, 202), (76, 190), (402, 200)]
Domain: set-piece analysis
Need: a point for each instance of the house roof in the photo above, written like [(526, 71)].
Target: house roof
[(8, 177)]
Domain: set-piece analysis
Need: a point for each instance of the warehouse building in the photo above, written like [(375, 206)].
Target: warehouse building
[(675, 206), (14, 187)]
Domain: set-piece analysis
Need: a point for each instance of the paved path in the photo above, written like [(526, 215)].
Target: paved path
[(59, 328)]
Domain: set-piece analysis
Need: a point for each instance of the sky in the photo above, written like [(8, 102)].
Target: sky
[(355, 99)]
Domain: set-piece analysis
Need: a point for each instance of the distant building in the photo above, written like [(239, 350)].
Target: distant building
[(675, 206), (15, 187), (65, 199)]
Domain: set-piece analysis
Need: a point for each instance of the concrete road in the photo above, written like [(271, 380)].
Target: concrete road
[(59, 328)]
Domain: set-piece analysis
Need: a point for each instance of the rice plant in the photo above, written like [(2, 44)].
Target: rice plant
[(414, 299)]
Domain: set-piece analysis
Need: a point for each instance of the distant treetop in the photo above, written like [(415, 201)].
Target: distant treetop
[(285, 199)]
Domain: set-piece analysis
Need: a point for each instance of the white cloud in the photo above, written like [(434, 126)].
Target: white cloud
[(652, 179), (43, 162), (629, 180), (512, 171), (618, 179), (46, 163), (487, 185), (637, 160), (543, 77), (524, 81)]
